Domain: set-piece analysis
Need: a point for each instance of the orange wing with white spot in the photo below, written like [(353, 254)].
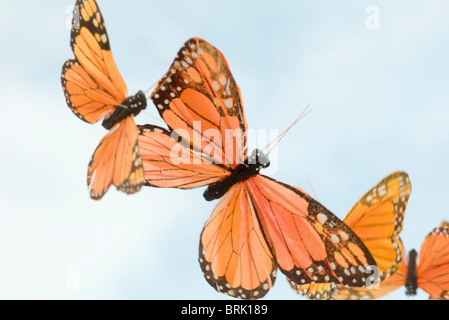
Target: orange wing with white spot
[(94, 89), (170, 164), (309, 242), (92, 84), (433, 265), (234, 254), (199, 99), (116, 161), (377, 218), (261, 224), (396, 281)]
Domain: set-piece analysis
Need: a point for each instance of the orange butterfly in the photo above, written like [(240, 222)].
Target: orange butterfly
[(429, 271), (259, 224), (95, 90), (377, 218)]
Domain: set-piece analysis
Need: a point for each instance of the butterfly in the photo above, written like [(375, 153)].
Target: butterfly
[(95, 90), (429, 271), (377, 218), (259, 225)]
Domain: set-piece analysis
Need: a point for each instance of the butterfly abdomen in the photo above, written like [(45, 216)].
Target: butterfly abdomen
[(131, 105), (411, 281), (249, 168)]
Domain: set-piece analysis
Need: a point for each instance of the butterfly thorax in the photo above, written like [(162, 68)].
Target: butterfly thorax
[(249, 168), (411, 281), (130, 106)]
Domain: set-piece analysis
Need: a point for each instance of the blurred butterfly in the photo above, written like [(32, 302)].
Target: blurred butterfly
[(377, 218), (429, 271), (259, 224), (95, 90)]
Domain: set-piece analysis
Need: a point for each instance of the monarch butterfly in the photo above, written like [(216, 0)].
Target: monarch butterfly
[(429, 271), (259, 224), (95, 90), (377, 218)]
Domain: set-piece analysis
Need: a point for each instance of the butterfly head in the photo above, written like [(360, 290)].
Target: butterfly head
[(259, 159), (138, 102), (130, 106)]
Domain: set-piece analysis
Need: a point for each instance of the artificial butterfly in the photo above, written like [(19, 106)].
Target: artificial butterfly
[(429, 271), (377, 218), (95, 90), (259, 224)]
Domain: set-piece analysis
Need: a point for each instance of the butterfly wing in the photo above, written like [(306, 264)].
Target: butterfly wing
[(387, 286), (377, 218), (170, 164), (200, 100), (433, 266), (310, 244), (92, 84), (233, 253), (378, 289), (315, 291), (116, 161)]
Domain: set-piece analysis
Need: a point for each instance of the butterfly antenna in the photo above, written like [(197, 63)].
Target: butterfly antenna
[(313, 190), (148, 90), (156, 120), (20, 53), (275, 142)]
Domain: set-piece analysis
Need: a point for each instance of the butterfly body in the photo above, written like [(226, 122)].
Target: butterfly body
[(251, 167), (130, 106), (411, 282)]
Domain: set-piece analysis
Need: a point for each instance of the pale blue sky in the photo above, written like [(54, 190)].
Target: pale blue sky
[(379, 98)]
